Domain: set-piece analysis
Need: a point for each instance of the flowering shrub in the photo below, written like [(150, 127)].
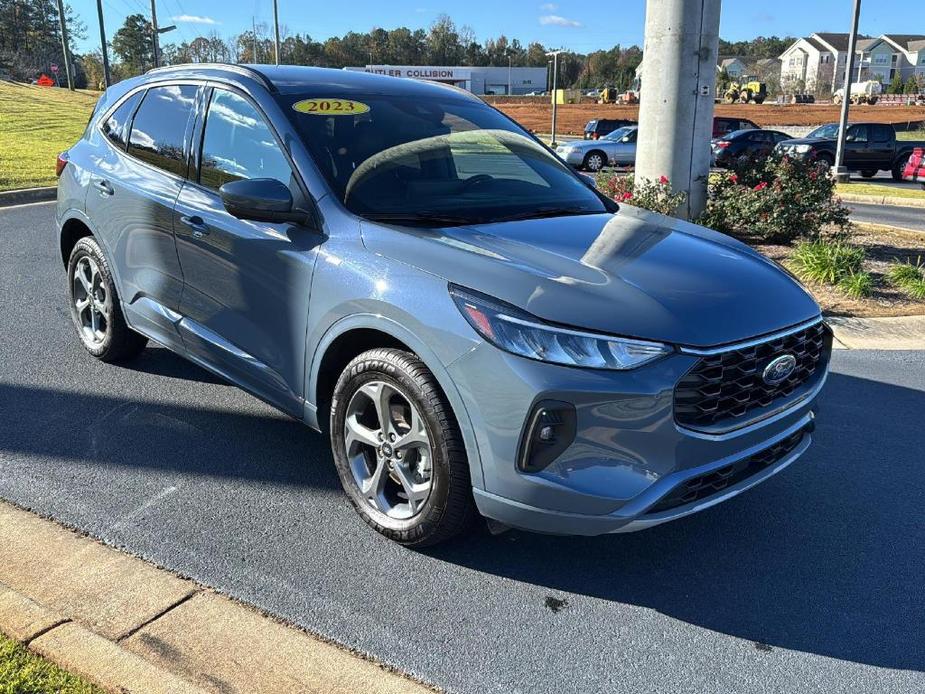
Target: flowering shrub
[(657, 196), (774, 200)]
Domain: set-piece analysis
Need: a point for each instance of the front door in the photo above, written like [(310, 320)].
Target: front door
[(246, 284)]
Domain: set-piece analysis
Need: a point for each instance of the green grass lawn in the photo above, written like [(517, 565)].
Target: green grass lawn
[(36, 123), (911, 135), (881, 190), (23, 672)]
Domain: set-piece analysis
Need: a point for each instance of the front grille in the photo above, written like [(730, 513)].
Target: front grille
[(723, 391), (710, 483)]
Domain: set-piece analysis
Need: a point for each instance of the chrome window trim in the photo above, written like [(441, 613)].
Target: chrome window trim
[(710, 351)]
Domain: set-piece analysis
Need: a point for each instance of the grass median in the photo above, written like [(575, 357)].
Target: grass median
[(23, 672), (36, 123), (881, 190)]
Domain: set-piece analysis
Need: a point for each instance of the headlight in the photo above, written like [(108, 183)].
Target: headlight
[(518, 332), (802, 149)]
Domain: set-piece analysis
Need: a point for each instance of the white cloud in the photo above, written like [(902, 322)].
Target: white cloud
[(549, 7), (556, 20), (193, 19)]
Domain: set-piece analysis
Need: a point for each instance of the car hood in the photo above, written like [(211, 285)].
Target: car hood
[(634, 273), (806, 141)]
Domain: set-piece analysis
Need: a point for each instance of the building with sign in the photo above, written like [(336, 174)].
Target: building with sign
[(478, 80)]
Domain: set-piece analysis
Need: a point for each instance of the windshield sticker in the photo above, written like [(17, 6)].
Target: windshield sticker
[(330, 107)]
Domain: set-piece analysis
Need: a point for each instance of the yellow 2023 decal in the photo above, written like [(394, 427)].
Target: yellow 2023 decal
[(330, 107)]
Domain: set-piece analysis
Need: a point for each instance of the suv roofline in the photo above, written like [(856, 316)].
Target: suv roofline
[(244, 70)]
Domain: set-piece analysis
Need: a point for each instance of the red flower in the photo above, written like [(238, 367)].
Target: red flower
[(626, 196), (663, 180), (761, 186), (733, 179)]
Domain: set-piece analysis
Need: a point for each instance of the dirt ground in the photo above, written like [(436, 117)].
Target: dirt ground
[(884, 249), (571, 118)]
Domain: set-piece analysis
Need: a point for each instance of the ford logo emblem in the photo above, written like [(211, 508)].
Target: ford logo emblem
[(779, 369)]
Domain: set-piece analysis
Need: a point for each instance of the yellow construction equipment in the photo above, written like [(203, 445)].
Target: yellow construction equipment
[(746, 92)]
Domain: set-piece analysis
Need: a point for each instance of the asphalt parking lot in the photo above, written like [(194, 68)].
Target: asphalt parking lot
[(811, 582)]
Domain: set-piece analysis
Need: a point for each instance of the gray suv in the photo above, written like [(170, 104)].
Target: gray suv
[(478, 330)]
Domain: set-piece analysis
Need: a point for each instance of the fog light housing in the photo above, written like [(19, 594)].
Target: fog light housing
[(550, 429)]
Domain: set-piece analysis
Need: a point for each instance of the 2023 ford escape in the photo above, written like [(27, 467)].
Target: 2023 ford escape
[(478, 329)]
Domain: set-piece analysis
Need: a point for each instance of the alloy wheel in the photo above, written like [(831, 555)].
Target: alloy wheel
[(92, 301), (388, 449), (595, 162)]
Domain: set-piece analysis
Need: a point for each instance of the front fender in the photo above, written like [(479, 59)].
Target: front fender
[(396, 329)]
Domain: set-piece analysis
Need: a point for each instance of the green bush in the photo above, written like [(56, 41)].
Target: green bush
[(776, 200), (657, 196), (826, 262), (902, 274), (915, 289), (857, 285)]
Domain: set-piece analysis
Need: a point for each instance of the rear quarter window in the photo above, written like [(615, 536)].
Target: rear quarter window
[(115, 127)]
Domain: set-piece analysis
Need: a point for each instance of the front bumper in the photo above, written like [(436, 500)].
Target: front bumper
[(571, 157), (628, 453)]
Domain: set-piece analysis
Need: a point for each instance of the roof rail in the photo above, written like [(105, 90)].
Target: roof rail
[(245, 70)]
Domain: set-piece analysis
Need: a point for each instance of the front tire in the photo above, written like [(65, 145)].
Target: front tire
[(95, 307), (398, 449), (595, 161), (868, 173)]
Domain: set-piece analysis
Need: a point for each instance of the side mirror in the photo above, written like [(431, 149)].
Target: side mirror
[(626, 139), (259, 200)]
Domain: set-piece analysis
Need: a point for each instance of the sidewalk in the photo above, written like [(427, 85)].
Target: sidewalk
[(899, 333), (128, 626)]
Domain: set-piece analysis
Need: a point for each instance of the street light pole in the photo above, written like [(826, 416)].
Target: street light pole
[(67, 59), (841, 172), (555, 82), (106, 77), (276, 28)]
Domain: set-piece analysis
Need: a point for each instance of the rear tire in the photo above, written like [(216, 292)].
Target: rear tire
[(868, 173), (897, 170), (594, 160), (398, 449), (95, 306)]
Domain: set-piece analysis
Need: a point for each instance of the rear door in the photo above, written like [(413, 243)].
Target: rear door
[(246, 291), (857, 153), (132, 193), (882, 146)]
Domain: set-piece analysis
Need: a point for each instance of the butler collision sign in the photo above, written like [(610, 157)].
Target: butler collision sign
[(478, 80)]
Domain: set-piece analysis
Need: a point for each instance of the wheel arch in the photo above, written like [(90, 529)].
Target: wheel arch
[(72, 230), (355, 334)]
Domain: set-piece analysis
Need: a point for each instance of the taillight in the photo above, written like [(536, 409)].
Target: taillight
[(595, 136), (60, 163), (722, 144)]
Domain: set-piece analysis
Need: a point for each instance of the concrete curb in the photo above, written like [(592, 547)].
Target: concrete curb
[(128, 626), (27, 195), (882, 200), (897, 333)]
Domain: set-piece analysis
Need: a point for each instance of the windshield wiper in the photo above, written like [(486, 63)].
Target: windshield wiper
[(422, 218), (541, 212)]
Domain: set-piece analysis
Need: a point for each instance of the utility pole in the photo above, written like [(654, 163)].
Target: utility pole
[(676, 110), (67, 56), (254, 31), (555, 82), (276, 29), (841, 172), (154, 41), (510, 63), (106, 77)]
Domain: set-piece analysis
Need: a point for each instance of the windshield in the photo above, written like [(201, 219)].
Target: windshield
[(426, 160), (829, 132), (618, 133)]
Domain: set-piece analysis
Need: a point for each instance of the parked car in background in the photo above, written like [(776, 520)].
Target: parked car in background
[(915, 167), (598, 128), (593, 93), (745, 144), (723, 125), (869, 148), (475, 329), (616, 149)]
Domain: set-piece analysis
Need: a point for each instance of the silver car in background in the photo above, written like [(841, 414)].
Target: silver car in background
[(616, 149)]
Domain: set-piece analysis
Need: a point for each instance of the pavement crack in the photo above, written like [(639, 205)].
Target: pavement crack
[(172, 606), (44, 631)]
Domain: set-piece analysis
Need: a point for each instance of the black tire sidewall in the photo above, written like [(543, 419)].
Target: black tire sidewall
[(588, 156), (88, 247), (372, 367)]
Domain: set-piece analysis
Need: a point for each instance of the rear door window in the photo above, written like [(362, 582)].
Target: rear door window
[(116, 126), (881, 134), (159, 128), (238, 144), (857, 133)]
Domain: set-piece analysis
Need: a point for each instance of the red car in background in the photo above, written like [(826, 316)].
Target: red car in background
[(915, 167)]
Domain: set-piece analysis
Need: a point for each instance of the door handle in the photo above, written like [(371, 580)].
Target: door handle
[(194, 222), (103, 187)]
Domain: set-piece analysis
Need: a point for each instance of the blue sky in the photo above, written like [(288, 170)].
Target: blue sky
[(581, 25)]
